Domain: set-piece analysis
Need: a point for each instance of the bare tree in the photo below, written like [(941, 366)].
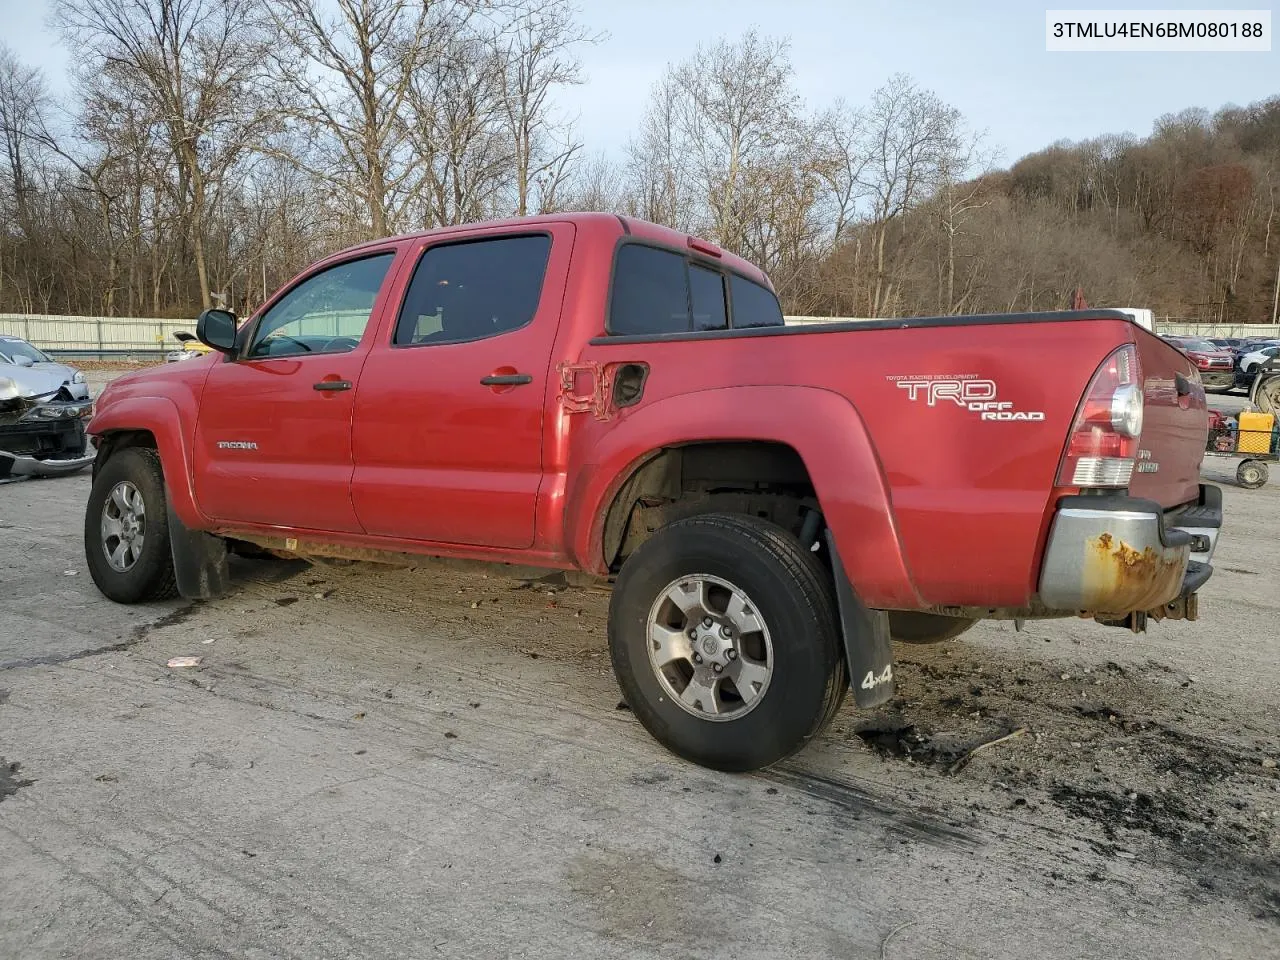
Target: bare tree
[(659, 178), (193, 64), (24, 103), (841, 159), (961, 191), (457, 130), (349, 80), (24, 100), (910, 134), (597, 184), (740, 116), (539, 45)]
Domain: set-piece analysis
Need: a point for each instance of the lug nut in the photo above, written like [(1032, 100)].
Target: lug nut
[(693, 634), (726, 632), (716, 667), (697, 658), (706, 621), (731, 654)]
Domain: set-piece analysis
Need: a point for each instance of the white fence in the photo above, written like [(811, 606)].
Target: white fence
[(1219, 329), (95, 335), (142, 336)]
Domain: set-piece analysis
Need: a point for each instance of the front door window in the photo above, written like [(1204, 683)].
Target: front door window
[(326, 313)]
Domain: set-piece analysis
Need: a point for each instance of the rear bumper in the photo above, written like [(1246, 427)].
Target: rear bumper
[(1118, 555)]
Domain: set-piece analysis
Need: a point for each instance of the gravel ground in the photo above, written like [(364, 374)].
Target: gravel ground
[(421, 763)]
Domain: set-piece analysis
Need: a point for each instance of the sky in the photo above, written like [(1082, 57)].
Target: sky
[(986, 59)]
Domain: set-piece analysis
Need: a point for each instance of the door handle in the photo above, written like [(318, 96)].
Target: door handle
[(332, 385), (506, 380)]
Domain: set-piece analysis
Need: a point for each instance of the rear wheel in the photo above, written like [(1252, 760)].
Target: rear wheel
[(908, 626), (1252, 474), (126, 529), (723, 635)]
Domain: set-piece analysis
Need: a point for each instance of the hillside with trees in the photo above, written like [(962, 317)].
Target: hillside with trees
[(212, 148)]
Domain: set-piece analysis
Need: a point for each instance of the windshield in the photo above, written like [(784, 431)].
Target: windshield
[(20, 348)]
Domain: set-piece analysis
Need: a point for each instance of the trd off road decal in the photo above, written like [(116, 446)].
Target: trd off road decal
[(967, 391)]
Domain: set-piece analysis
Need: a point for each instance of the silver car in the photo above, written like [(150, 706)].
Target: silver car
[(43, 408), (14, 351)]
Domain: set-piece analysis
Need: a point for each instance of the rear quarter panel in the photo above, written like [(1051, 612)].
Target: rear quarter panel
[(1175, 426), (969, 495)]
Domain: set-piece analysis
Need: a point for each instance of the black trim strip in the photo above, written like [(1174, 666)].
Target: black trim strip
[(901, 323), (626, 227)]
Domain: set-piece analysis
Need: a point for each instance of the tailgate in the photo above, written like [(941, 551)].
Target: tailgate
[(1175, 425)]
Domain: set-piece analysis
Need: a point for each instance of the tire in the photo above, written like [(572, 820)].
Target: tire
[(1251, 474), (907, 626), (749, 573), (130, 477)]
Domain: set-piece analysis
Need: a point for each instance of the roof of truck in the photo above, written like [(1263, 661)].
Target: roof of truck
[(610, 222)]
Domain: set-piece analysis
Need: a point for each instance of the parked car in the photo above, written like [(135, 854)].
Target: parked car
[(18, 352), (42, 414), (1226, 343), (1250, 362), (1217, 366), (594, 393), (1253, 343), (190, 348)]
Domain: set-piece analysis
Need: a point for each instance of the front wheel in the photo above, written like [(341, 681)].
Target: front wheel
[(126, 529), (1251, 474), (724, 638)]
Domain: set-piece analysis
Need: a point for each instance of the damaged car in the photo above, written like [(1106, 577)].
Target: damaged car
[(20, 353), (42, 421)]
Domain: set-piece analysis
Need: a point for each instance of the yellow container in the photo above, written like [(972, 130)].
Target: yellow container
[(1255, 432)]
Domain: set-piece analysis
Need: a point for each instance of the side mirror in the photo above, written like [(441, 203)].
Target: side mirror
[(217, 329), (22, 361)]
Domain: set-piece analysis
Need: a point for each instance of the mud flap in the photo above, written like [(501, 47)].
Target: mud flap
[(199, 561), (866, 639)]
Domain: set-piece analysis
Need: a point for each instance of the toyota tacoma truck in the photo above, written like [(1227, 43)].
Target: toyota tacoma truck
[(771, 504)]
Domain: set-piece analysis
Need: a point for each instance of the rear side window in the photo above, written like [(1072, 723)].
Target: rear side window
[(706, 296), (754, 305), (658, 291), (650, 293), (473, 290)]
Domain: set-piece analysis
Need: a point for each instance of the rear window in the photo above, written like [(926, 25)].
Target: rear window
[(659, 291), (706, 295)]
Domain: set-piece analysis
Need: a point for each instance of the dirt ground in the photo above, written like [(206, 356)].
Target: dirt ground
[(429, 763)]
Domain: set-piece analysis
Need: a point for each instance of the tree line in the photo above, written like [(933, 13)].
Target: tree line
[(210, 149)]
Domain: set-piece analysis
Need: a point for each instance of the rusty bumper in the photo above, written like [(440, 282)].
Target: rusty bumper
[(1117, 555)]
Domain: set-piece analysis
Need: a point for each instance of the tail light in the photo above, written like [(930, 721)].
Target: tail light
[(1103, 445)]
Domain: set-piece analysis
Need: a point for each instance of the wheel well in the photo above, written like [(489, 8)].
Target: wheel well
[(120, 440), (757, 478)]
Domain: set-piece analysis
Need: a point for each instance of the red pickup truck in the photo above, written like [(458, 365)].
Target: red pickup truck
[(587, 392)]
